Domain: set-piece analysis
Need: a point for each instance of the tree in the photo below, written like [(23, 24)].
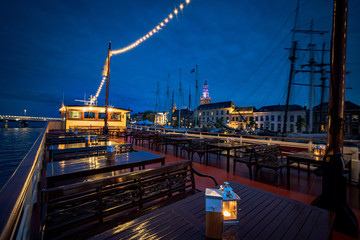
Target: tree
[(300, 123), (252, 124), (149, 115), (218, 123)]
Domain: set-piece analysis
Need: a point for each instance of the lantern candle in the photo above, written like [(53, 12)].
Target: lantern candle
[(230, 204)]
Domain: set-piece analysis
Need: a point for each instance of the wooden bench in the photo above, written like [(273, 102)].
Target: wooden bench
[(92, 206)]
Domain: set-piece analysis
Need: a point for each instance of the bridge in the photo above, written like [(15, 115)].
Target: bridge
[(23, 120)]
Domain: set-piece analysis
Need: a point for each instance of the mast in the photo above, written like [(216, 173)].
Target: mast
[(179, 107), (168, 108), (323, 78), (106, 130), (291, 75), (189, 97), (196, 95), (311, 62), (334, 186)]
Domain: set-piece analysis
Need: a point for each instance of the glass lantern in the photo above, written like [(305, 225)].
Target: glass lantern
[(230, 204), (319, 150)]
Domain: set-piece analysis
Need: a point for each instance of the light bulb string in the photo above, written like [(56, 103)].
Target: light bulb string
[(136, 43)]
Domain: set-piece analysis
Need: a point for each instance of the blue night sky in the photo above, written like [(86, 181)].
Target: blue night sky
[(55, 50)]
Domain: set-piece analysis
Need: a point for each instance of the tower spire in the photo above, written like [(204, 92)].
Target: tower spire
[(205, 98)]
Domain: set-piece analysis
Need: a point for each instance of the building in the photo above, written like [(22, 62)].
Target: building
[(271, 118), (209, 114), (85, 117), (352, 123), (161, 118), (187, 118), (240, 118), (205, 97)]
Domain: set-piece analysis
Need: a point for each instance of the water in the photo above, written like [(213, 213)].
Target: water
[(14, 145)]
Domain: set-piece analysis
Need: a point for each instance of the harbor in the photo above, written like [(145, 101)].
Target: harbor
[(238, 123)]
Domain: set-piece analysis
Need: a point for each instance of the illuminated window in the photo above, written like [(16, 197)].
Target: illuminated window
[(212, 113), (199, 113), (89, 115), (355, 118), (101, 115), (74, 114), (115, 116)]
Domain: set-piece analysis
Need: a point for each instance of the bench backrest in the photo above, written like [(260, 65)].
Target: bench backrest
[(74, 205)]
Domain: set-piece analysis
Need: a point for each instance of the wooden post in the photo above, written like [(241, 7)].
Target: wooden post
[(333, 196), (106, 129)]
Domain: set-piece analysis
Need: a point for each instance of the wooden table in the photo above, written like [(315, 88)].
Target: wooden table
[(308, 158), (227, 147), (78, 147), (177, 141), (84, 167), (263, 215)]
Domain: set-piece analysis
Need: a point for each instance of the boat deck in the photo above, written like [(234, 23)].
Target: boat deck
[(303, 188)]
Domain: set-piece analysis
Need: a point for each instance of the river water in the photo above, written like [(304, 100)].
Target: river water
[(14, 145)]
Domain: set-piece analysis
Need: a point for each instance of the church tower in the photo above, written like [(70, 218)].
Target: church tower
[(205, 98)]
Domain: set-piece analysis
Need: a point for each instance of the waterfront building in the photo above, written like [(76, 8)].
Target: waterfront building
[(161, 118), (209, 114), (352, 114), (271, 118), (205, 97), (79, 117), (240, 118), (187, 118)]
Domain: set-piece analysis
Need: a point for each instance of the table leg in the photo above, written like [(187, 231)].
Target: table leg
[(288, 173)]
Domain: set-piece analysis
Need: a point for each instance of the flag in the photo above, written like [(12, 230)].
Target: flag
[(192, 70)]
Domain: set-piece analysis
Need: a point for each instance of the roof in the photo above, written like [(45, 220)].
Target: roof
[(280, 108), (96, 107), (349, 106), (227, 104)]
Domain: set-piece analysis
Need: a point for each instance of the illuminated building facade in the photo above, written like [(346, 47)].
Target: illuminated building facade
[(205, 97), (271, 118), (208, 114), (240, 118), (92, 117)]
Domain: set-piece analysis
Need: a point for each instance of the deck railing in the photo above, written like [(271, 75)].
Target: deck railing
[(296, 144), (20, 194)]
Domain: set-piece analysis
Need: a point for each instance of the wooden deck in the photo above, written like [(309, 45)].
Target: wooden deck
[(303, 188)]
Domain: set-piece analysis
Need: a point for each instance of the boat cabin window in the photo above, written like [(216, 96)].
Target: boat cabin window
[(101, 115), (116, 116), (74, 114), (89, 115)]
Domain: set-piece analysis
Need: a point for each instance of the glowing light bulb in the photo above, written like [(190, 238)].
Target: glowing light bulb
[(176, 11), (162, 24), (154, 30), (150, 33), (170, 16), (226, 213), (187, 1), (158, 27), (181, 6), (166, 20)]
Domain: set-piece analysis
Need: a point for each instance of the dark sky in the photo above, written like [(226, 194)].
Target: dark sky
[(55, 50)]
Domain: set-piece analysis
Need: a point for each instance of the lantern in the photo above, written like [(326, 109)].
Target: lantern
[(214, 216), (230, 204), (87, 141), (319, 150), (110, 153)]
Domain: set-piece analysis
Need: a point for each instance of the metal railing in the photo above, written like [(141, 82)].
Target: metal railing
[(19, 194)]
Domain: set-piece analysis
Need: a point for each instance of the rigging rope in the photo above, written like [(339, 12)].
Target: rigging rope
[(136, 43)]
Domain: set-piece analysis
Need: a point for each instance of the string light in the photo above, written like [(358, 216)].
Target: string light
[(133, 45)]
